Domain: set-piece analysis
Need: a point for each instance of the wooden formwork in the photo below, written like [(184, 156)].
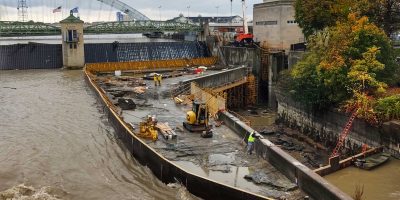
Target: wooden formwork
[(150, 65), (214, 102)]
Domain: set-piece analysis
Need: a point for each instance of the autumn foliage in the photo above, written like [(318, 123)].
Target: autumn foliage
[(349, 64)]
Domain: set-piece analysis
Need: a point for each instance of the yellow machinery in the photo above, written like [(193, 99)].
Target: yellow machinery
[(148, 129), (197, 119)]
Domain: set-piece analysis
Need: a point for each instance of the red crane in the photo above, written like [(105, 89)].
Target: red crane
[(344, 134), (243, 38)]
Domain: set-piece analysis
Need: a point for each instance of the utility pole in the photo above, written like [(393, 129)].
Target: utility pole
[(22, 10), (159, 11), (230, 21), (217, 7), (245, 26), (188, 7)]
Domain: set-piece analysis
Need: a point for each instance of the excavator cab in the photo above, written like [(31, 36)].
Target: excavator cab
[(243, 40), (197, 118)]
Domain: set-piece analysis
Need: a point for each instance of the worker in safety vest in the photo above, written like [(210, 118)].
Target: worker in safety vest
[(155, 78), (250, 142), (159, 79)]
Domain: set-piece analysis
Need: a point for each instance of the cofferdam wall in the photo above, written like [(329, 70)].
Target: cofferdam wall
[(165, 170), (30, 56), (49, 56), (124, 52)]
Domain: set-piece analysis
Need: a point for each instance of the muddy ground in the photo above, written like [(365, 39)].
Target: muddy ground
[(222, 157), (304, 149)]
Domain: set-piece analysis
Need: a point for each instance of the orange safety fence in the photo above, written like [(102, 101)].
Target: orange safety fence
[(150, 65)]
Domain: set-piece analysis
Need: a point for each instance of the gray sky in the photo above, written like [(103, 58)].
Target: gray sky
[(92, 10)]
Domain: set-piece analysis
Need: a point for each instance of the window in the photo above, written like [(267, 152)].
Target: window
[(266, 23), (72, 36)]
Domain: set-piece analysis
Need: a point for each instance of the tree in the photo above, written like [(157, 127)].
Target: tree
[(315, 15), (384, 13), (343, 61)]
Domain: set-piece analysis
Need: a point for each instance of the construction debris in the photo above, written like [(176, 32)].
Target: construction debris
[(166, 131), (126, 104), (139, 89)]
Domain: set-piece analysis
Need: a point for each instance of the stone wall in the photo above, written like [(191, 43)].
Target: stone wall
[(326, 126)]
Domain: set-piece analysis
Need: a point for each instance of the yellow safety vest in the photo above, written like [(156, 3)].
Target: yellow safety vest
[(251, 138)]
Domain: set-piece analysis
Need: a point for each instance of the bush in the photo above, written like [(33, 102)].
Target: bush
[(388, 108)]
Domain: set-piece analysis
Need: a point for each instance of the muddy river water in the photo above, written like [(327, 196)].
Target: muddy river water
[(381, 183), (53, 134)]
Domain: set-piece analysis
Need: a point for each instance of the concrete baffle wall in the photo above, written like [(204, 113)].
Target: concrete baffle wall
[(72, 42)]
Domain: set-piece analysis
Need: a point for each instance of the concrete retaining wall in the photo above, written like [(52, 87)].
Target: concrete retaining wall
[(238, 56), (326, 126), (307, 180), (220, 78)]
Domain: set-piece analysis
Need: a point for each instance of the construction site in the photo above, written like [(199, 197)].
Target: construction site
[(208, 112)]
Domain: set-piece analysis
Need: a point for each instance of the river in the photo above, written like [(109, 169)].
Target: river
[(54, 134), (381, 183)]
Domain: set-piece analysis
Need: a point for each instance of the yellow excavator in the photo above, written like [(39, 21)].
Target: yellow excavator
[(197, 119)]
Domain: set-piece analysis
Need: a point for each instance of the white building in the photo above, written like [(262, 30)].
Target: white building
[(275, 24)]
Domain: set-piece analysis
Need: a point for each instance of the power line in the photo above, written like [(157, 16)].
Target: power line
[(22, 10)]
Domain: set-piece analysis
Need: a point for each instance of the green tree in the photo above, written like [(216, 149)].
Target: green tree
[(315, 15), (343, 60), (384, 13)]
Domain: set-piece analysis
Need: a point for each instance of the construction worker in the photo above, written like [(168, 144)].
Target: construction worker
[(159, 79), (250, 142), (155, 78)]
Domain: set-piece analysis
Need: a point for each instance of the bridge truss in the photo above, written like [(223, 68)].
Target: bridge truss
[(141, 27), (9, 29)]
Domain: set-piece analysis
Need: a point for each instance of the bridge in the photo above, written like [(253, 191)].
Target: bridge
[(139, 24), (9, 29)]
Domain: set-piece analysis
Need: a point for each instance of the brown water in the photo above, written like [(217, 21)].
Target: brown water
[(53, 134), (382, 183)]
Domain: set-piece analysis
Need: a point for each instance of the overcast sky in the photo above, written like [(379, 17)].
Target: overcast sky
[(92, 10)]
